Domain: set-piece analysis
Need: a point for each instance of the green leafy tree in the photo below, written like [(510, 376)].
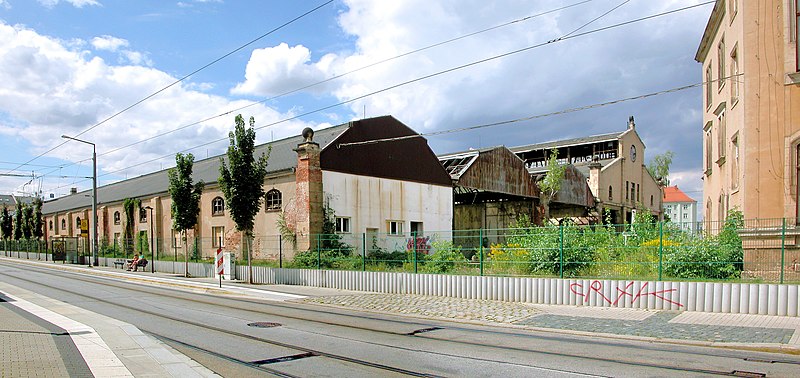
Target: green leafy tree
[(27, 222), (243, 182), (37, 226), (551, 183), (130, 207), (18, 222), (659, 167), (6, 225), (185, 198)]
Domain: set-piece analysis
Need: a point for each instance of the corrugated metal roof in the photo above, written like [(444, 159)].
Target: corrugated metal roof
[(567, 142), (281, 158)]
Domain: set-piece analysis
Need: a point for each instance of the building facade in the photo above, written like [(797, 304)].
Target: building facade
[(751, 109), (390, 187), (613, 165), (680, 208)]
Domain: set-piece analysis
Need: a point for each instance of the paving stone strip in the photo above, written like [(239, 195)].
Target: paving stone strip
[(429, 306)]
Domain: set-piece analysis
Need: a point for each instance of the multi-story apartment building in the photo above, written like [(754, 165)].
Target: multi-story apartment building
[(751, 109), (680, 208)]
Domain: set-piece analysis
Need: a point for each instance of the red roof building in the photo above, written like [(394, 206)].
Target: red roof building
[(680, 208)]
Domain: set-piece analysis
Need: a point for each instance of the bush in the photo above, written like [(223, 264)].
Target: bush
[(544, 248), (444, 257)]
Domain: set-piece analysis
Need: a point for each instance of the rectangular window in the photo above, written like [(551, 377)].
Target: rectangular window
[(218, 237), (395, 227), (142, 215), (708, 145), (735, 75), (416, 228), (627, 190), (735, 162), (638, 193), (685, 215), (685, 207), (721, 63), (721, 137), (709, 80), (342, 225)]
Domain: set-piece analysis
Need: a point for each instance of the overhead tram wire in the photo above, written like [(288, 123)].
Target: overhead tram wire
[(228, 112), (179, 80), (430, 76)]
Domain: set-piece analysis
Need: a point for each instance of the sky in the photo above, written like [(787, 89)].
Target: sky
[(75, 68)]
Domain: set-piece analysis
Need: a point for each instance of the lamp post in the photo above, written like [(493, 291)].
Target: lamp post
[(94, 196), (152, 242)]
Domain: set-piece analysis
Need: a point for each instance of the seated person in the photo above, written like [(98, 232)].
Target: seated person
[(133, 262), (142, 262)]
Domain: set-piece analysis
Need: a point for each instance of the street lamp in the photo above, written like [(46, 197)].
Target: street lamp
[(152, 244), (94, 196)]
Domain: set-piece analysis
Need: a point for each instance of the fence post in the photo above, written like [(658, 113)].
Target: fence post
[(363, 251), (280, 251), (481, 249), (561, 250), (783, 248), (414, 249), (660, 248), (319, 254)]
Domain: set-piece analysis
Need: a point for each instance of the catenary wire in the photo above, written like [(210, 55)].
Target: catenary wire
[(179, 80), (563, 38), (228, 112)]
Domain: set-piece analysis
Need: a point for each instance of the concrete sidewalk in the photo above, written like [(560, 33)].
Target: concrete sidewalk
[(762, 332)]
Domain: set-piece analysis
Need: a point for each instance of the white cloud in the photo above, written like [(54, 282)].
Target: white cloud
[(109, 43), (5, 4), (75, 3), (84, 89), (136, 58), (275, 70)]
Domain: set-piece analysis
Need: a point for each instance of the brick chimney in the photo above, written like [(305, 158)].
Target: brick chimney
[(308, 192)]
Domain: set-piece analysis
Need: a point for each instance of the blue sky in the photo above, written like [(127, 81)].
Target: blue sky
[(67, 65)]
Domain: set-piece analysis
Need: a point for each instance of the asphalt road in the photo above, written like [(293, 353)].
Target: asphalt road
[(306, 340)]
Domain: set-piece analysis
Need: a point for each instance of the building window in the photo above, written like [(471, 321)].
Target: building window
[(51, 225), (627, 189), (217, 206), (395, 227), (685, 207), (708, 149), (638, 193), (63, 224), (610, 193), (116, 217), (685, 215), (651, 200), (735, 75), (142, 215), (273, 200), (721, 63), (735, 161), (709, 80), (218, 237), (733, 6), (721, 209), (342, 225), (721, 138), (78, 223)]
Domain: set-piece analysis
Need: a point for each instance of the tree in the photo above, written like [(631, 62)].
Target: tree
[(27, 222), (659, 167), (37, 226), (6, 224), (551, 183), (185, 199), (18, 221), (243, 183), (130, 206)]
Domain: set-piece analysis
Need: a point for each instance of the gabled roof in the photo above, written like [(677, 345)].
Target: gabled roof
[(457, 163), (673, 194), (10, 201), (568, 142), (281, 158)]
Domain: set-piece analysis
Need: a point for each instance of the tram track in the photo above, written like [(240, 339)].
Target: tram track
[(237, 304)]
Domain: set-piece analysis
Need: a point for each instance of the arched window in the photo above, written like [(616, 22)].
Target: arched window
[(610, 193), (651, 200), (273, 200), (116, 217), (217, 206), (51, 225), (63, 224), (142, 215), (78, 223)]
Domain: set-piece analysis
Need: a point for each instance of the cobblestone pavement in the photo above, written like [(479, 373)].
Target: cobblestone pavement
[(659, 326), (427, 306), (28, 348), (628, 322)]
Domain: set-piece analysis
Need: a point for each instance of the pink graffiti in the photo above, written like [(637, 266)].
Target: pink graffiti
[(423, 244), (597, 287)]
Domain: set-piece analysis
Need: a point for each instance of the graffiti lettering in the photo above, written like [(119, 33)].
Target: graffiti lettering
[(423, 244), (597, 287)]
